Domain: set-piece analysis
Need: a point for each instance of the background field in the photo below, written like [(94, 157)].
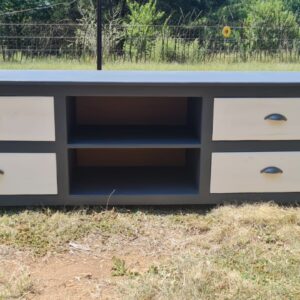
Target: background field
[(187, 32), (228, 252), (61, 64)]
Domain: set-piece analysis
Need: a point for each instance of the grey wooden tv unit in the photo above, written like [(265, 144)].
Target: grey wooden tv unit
[(148, 138)]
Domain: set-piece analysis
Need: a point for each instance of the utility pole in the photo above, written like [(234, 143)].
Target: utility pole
[(99, 35)]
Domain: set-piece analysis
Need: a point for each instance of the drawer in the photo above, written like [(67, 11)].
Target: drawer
[(256, 119), (28, 174), (255, 172), (27, 119)]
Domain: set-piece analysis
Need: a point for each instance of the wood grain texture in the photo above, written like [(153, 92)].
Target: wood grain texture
[(241, 172), (27, 119), (28, 174), (238, 119), (131, 111)]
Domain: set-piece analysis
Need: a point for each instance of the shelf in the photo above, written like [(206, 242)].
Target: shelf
[(132, 180), (103, 122), (134, 145), (133, 136), (134, 171)]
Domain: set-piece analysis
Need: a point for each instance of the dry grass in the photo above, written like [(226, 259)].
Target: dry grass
[(230, 252), (15, 285), (47, 230), (248, 252)]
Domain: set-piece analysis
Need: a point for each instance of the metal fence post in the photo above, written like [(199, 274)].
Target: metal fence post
[(99, 36)]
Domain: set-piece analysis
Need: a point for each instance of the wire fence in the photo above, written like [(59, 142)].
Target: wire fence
[(181, 44)]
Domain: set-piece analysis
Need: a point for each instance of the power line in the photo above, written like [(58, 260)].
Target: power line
[(37, 8)]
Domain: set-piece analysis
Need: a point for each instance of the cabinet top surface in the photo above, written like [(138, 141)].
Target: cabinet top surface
[(148, 77)]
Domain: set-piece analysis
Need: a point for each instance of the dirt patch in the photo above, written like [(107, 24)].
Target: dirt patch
[(227, 253), (72, 275), (79, 274)]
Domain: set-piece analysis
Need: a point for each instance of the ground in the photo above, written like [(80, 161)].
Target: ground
[(228, 252)]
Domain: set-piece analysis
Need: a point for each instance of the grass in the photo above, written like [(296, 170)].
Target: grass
[(61, 64), (41, 231), (248, 252), (230, 252), (119, 267), (17, 286)]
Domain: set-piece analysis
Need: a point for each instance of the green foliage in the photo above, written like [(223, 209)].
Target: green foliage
[(87, 32), (232, 12), (270, 27), (27, 13), (119, 267), (143, 14), (141, 30), (293, 6), (19, 13)]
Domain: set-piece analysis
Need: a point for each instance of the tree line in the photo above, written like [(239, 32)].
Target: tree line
[(161, 30)]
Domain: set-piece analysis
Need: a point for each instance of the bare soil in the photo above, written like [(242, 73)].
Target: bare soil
[(74, 274), (246, 252)]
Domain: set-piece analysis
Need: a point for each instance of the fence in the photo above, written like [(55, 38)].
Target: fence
[(182, 44), (24, 41)]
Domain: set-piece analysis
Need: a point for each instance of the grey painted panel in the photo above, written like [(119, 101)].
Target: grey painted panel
[(27, 119), (256, 172), (138, 200), (147, 77), (28, 174)]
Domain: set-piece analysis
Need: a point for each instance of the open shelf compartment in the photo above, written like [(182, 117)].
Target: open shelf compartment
[(134, 171), (148, 121)]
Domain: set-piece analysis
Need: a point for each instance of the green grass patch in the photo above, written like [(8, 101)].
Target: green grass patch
[(62, 64)]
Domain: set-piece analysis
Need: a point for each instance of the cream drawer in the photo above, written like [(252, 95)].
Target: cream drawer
[(255, 172), (256, 119), (27, 119), (28, 174)]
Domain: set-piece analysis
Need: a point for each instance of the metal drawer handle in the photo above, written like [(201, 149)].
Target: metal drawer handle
[(276, 117), (1, 172), (271, 170)]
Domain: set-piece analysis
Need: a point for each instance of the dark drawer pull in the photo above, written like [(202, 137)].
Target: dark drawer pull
[(1, 172), (276, 117), (271, 170)]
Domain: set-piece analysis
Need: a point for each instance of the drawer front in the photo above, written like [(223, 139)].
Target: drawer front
[(255, 172), (28, 174), (27, 119), (256, 119)]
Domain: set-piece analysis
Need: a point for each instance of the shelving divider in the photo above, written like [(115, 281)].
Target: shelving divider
[(135, 158)]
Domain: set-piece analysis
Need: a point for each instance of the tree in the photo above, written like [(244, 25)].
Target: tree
[(141, 23), (293, 6), (270, 26)]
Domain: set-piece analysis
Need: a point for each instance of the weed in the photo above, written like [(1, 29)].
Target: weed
[(119, 267)]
